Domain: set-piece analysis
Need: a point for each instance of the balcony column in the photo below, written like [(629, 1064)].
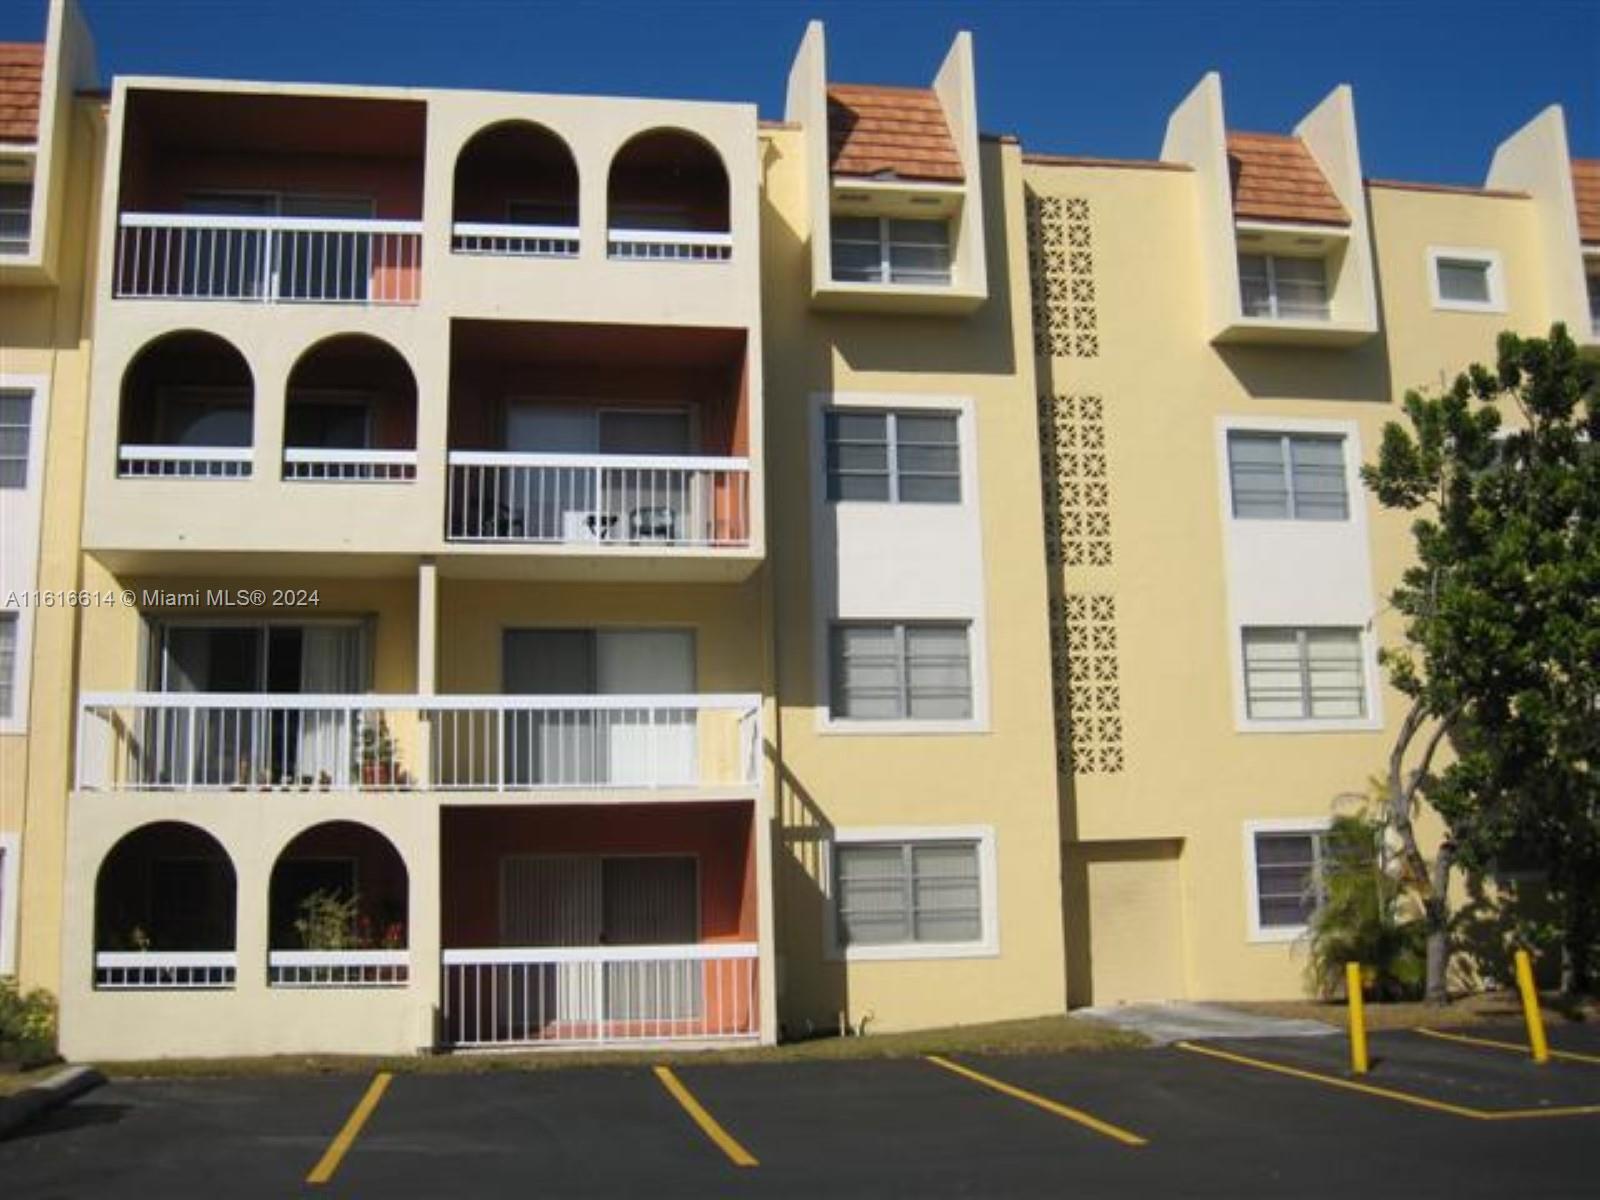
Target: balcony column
[(427, 626)]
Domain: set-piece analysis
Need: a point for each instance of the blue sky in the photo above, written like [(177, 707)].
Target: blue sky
[(1437, 85)]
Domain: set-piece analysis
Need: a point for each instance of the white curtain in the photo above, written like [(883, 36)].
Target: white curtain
[(331, 663)]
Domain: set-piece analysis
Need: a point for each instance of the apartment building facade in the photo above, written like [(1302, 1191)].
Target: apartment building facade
[(50, 146), (586, 570)]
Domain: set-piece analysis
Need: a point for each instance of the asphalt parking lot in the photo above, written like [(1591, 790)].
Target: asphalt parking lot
[(1229, 1118)]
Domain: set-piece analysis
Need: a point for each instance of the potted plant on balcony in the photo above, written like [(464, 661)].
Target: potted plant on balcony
[(378, 760), (329, 920)]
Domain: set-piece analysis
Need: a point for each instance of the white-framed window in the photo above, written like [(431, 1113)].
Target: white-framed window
[(1304, 674), (1284, 876), (10, 901), (9, 625), (901, 671), (16, 215), (912, 892), (1287, 476), (891, 250), (16, 424), (1466, 280), (1283, 288), (897, 457)]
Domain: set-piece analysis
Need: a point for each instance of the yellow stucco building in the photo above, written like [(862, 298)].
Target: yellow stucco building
[(564, 569)]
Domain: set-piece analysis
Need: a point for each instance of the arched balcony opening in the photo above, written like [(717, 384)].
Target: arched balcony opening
[(339, 910), (350, 414), (187, 410), (165, 911), (516, 193), (667, 198)]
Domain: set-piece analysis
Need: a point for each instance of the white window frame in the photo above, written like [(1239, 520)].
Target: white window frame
[(1494, 276), (1300, 632), (885, 258), (20, 180), (903, 662), (21, 516), (1263, 590), (891, 432), (963, 520), (1316, 826), (1286, 438), (1270, 260), (988, 943), (10, 901)]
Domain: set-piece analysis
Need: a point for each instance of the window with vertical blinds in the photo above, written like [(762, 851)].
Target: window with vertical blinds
[(1300, 674), (891, 893), (1287, 476), (891, 671)]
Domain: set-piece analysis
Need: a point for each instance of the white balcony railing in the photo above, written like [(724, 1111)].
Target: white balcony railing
[(198, 741), (608, 499), (601, 995), (520, 241), (191, 256), (349, 466), (135, 970), (183, 462), (338, 968), (661, 245)]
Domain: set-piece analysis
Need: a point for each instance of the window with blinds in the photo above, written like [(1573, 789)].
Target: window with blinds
[(893, 671), (891, 250), (16, 419), (893, 457), (892, 893), (8, 663), (1289, 885), (1303, 674), (1274, 286), (1287, 476)]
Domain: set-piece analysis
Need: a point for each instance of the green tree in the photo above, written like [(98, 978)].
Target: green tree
[(1502, 631)]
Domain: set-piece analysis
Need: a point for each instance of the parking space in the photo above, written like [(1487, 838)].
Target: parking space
[(1157, 1122), (1492, 1080)]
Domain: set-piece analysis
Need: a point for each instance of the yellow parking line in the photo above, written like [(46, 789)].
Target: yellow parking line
[(1049, 1106), (1568, 1055), (725, 1141), (1455, 1110), (340, 1146)]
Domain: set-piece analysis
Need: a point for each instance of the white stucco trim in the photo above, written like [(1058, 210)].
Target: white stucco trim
[(1495, 275), (987, 945), (1275, 933), (10, 901), (1311, 574), (21, 514), (957, 564)]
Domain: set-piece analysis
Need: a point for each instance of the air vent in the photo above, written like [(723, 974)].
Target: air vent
[(1249, 237), (1307, 241), (852, 197), (925, 200)]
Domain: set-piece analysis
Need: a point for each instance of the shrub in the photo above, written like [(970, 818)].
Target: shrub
[(1366, 916), (27, 1022), (328, 921)]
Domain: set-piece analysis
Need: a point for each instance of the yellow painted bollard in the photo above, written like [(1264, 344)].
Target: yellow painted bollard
[(1530, 1008), (1358, 1019)]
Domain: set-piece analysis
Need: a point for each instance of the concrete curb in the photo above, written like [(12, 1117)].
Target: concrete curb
[(63, 1087)]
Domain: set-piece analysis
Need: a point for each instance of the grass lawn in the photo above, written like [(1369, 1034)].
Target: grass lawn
[(1039, 1035), (1465, 1011)]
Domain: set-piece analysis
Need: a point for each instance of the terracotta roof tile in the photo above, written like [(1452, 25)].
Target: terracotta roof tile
[(21, 74), (1275, 178), (890, 131), (1586, 187)]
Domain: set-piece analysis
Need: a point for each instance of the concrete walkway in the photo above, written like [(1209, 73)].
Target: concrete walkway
[(1181, 1021)]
